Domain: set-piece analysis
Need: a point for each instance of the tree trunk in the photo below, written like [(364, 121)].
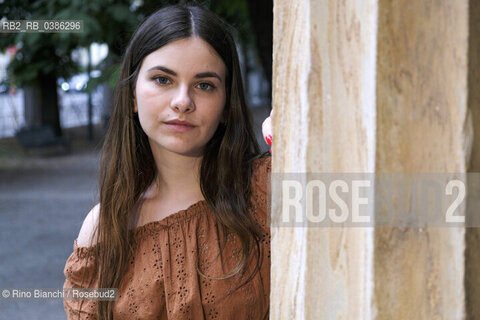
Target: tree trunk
[(50, 114)]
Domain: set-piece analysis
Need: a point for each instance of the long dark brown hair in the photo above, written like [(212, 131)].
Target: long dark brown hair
[(127, 164)]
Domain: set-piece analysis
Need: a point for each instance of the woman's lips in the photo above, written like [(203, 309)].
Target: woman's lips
[(179, 127)]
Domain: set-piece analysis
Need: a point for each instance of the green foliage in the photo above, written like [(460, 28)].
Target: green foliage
[(50, 53), (235, 12)]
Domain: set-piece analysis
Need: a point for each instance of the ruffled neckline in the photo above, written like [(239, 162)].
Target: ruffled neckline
[(194, 209), (151, 227)]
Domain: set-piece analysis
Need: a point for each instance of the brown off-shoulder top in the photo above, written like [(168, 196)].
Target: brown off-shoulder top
[(162, 280)]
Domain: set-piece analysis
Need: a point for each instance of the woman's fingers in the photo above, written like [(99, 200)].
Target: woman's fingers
[(267, 130)]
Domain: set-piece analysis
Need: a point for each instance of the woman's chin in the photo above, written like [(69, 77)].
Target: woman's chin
[(176, 146)]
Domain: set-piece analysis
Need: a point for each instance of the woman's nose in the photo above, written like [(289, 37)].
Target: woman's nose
[(182, 101)]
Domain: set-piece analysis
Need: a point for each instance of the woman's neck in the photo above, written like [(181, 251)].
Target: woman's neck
[(178, 176)]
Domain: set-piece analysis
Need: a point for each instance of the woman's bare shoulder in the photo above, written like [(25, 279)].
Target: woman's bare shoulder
[(84, 238)]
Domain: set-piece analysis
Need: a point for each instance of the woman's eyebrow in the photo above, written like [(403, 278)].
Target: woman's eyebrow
[(164, 69), (209, 74)]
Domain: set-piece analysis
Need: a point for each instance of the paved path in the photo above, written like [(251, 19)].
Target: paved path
[(42, 206)]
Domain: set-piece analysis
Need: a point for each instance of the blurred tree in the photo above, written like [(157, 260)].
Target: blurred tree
[(43, 57)]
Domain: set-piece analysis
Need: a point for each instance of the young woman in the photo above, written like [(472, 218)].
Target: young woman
[(181, 228)]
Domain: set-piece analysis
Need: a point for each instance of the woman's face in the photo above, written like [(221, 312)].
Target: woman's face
[(184, 81)]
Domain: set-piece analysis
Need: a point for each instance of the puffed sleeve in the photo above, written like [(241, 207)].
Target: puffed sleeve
[(81, 272)]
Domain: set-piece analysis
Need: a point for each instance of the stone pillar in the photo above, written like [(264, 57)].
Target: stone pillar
[(422, 126), (369, 86)]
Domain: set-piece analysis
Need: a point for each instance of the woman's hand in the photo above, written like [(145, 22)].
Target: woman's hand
[(267, 130)]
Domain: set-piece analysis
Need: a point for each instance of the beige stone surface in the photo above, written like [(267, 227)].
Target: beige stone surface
[(373, 86), (422, 126), (324, 100)]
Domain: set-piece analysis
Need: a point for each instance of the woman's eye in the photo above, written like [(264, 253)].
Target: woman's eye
[(162, 80), (205, 86)]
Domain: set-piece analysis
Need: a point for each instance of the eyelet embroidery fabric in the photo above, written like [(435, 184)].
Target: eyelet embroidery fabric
[(162, 281)]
